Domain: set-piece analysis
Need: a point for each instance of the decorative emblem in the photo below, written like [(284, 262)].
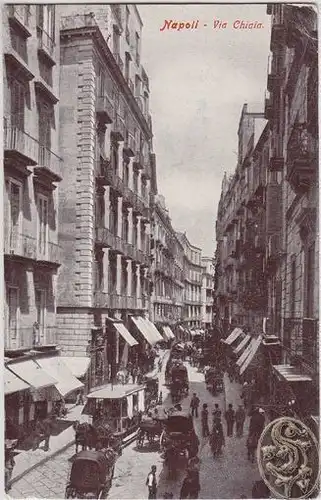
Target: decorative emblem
[(288, 458)]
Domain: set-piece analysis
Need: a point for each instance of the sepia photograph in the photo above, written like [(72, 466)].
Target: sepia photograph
[(161, 251)]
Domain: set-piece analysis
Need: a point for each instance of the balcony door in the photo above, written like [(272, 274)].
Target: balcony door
[(42, 238), (13, 316), (40, 300), (17, 105), (14, 190), (44, 120)]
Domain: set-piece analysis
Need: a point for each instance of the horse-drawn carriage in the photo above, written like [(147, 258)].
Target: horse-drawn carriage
[(178, 381), (178, 438), (214, 380), (149, 429), (91, 474)]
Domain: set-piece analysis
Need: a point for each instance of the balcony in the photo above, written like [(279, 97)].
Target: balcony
[(102, 299), (274, 80), (131, 85), (118, 185), (139, 161), (46, 46), (147, 168), (305, 331), (140, 103), (105, 174), (21, 247), (129, 197), (118, 128), (48, 166), (19, 19), (129, 251), (268, 108), (274, 247), (105, 237), (301, 161), (19, 146), (278, 36), (129, 145), (120, 246), (119, 61), (276, 164), (104, 109), (31, 337)]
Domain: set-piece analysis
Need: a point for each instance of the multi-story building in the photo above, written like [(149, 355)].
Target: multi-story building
[(207, 292), (192, 313), (240, 230), (168, 260), (106, 141), (32, 174), (292, 110)]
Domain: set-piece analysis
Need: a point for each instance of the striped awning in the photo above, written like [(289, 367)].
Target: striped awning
[(168, 333), (246, 353), (291, 373), (32, 373), (255, 346), (122, 330), (242, 344), (233, 336), (153, 329), (66, 381)]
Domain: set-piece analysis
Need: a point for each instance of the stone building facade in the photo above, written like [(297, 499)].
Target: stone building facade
[(207, 292), (104, 219), (167, 299), (192, 313)]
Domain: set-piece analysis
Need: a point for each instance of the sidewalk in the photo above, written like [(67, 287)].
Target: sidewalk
[(233, 392), (28, 460)]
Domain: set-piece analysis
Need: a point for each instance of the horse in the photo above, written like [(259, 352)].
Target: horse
[(85, 435)]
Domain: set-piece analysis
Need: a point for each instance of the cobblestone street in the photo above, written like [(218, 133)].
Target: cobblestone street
[(227, 477)]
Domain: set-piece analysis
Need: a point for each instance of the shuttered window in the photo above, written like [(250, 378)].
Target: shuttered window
[(40, 299), (42, 226), (13, 310), (15, 214), (17, 93)]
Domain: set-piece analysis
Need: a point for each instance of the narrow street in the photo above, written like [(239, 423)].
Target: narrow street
[(230, 476)]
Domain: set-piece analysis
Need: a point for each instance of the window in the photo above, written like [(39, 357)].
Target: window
[(310, 280), (137, 49), (17, 94), (40, 299), (44, 115), (13, 313), (14, 189), (99, 271), (46, 19), (100, 83), (42, 226), (293, 285), (116, 38), (127, 66), (137, 86)]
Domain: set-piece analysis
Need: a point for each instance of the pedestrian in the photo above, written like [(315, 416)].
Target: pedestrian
[(204, 419), (8, 467), (217, 414), (134, 374), (257, 422), (239, 420), (195, 401), (251, 444), (217, 440), (151, 482), (191, 484), (230, 419), (80, 397)]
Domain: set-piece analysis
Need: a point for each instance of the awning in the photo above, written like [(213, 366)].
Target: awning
[(245, 353), (110, 391), (168, 332), (153, 329), (78, 365), (250, 357), (233, 336), (12, 383), (122, 330), (32, 373), (291, 373), (144, 330), (56, 367), (242, 344)]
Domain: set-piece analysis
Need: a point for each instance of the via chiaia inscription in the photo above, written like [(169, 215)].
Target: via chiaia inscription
[(216, 25)]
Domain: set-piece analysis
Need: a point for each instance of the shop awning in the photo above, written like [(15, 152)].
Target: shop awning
[(122, 330), (78, 365), (12, 383), (291, 373), (256, 344), (32, 373), (110, 391), (233, 336), (56, 368), (242, 344), (245, 353), (142, 327), (153, 329), (168, 332)]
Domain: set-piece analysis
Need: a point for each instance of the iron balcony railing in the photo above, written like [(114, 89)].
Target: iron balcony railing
[(119, 128), (48, 159), (18, 141), (29, 337), (105, 108), (23, 245), (20, 13), (45, 42), (105, 237)]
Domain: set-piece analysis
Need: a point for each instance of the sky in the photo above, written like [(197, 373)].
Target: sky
[(199, 81)]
